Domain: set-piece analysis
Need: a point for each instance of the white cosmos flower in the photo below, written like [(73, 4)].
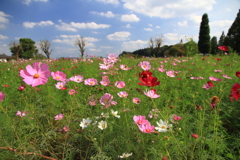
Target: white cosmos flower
[(125, 155), (102, 125), (115, 113), (85, 122), (163, 126)]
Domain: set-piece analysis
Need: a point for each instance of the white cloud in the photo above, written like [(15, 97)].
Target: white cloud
[(184, 23), (27, 2), (3, 37), (150, 25), (119, 36), (108, 14), (95, 50), (134, 45), (158, 27), (96, 32), (147, 29), (196, 19), (169, 9), (65, 27), (106, 47), (3, 20), (128, 26), (115, 2), (33, 24), (172, 38), (129, 18), (221, 24)]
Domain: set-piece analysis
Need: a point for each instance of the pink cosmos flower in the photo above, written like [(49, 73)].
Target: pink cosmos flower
[(123, 94), (107, 100), (151, 94), (35, 75), (215, 79), (136, 100), (161, 69), (146, 128), (124, 67), (113, 57), (145, 65), (72, 92), (107, 64), (59, 76), (91, 82), (170, 73), (66, 129), (174, 118), (59, 116), (120, 84), (60, 85), (217, 70), (92, 102), (208, 85), (140, 120), (77, 78), (21, 114), (105, 82), (226, 76), (1, 96)]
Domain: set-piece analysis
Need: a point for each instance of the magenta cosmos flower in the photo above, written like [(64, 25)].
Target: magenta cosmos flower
[(106, 100), (140, 120), (90, 82), (59, 76), (1, 96), (146, 128), (151, 94), (35, 75), (120, 84), (136, 100)]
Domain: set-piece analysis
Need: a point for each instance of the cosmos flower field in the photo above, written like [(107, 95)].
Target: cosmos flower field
[(116, 107)]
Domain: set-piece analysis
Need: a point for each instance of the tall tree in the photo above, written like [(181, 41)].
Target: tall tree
[(221, 39), (81, 42), (15, 48), (214, 45), (233, 36), (155, 45), (45, 47), (204, 44)]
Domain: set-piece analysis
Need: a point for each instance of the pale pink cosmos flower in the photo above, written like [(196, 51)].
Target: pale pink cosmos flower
[(145, 65), (60, 85), (92, 102), (123, 94), (59, 116), (77, 78), (113, 57), (151, 94), (58, 75), (136, 100), (91, 82), (215, 79), (21, 114), (124, 67), (107, 100), (170, 73), (72, 92), (107, 64), (226, 76), (207, 86), (146, 128), (139, 120), (105, 82), (66, 129), (120, 84), (217, 70), (35, 75), (2, 96)]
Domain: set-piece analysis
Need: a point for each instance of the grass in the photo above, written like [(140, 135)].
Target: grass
[(37, 135)]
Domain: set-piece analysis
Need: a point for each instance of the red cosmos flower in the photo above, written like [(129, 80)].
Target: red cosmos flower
[(149, 81), (238, 74), (210, 83), (145, 74), (219, 59), (223, 48), (235, 92)]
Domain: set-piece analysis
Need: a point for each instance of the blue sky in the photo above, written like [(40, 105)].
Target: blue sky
[(110, 26)]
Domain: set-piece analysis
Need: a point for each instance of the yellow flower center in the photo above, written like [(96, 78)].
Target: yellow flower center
[(103, 126), (36, 75), (163, 127), (57, 77)]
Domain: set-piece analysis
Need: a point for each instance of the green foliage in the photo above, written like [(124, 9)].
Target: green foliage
[(176, 50), (204, 44), (214, 46), (191, 48), (232, 38), (221, 39)]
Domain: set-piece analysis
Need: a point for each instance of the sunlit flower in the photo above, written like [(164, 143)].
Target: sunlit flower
[(90, 82), (58, 75), (113, 57), (124, 67), (151, 94), (92, 102), (60, 85), (145, 65), (146, 128), (226, 76), (125, 155), (102, 125), (217, 70), (85, 122), (170, 73), (35, 75), (106, 100), (136, 100), (105, 82), (59, 116), (72, 92), (215, 79), (123, 94), (77, 78), (161, 69), (21, 114), (163, 126), (139, 120), (114, 113), (120, 84)]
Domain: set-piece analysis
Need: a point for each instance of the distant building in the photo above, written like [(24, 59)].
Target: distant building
[(3, 57)]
